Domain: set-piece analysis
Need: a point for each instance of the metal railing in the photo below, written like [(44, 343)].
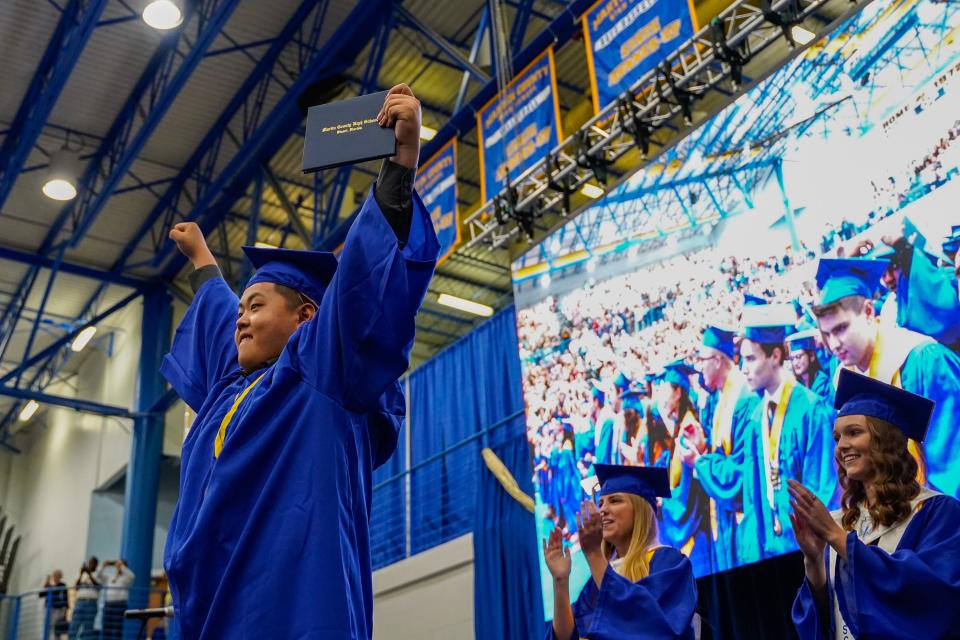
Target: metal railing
[(96, 613), (434, 500)]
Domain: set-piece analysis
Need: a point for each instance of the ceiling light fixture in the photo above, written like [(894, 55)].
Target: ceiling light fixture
[(61, 182), (28, 410), (83, 338), (163, 15), (462, 304)]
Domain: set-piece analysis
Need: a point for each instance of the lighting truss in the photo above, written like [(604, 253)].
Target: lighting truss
[(714, 56)]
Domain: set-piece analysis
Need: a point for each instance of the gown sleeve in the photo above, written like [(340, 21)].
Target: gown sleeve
[(927, 300), (203, 349), (915, 588), (720, 474), (365, 327), (660, 606), (806, 617)]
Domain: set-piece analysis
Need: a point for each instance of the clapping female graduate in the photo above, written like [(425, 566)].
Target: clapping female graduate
[(886, 565), (639, 590)]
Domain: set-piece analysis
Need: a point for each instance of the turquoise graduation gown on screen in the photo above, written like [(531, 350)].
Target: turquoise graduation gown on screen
[(658, 607), (911, 592), (805, 455), (933, 371), (927, 301), (272, 537), (606, 447), (822, 386), (720, 472)]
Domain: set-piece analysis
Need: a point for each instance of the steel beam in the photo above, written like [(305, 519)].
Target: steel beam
[(292, 215), (77, 22), (69, 403), (443, 44), (146, 447)]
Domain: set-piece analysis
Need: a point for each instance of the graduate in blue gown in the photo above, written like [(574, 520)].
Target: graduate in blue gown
[(603, 425), (638, 589), (295, 385), (718, 460), (685, 515), (789, 438), (912, 361), (886, 565), (926, 294), (802, 348)]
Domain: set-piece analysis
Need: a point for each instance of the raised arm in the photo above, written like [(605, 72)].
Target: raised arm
[(360, 340), (203, 349)]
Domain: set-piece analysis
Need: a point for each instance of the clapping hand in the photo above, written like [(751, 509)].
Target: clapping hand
[(589, 527), (556, 556)]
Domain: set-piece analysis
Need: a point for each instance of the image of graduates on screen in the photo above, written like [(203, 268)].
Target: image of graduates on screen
[(697, 317)]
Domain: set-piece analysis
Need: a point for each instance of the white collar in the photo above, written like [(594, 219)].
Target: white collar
[(775, 396)]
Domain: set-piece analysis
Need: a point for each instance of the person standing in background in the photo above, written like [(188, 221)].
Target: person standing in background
[(116, 593)]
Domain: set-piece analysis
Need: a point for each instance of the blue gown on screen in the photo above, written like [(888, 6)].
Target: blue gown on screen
[(905, 593), (658, 607), (805, 455), (822, 386), (720, 470), (272, 536), (933, 371), (927, 301)]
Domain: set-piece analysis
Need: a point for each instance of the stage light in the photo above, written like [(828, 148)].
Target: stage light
[(83, 338), (61, 182), (802, 36), (427, 133), (455, 302), (28, 410), (591, 190), (163, 15)]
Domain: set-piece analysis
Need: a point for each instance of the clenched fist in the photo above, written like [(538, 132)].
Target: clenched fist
[(190, 241)]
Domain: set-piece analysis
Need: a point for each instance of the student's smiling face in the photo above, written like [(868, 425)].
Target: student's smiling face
[(266, 319), (616, 518)]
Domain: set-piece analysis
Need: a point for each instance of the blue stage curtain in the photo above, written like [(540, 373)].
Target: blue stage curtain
[(469, 386), (507, 599), (388, 542)]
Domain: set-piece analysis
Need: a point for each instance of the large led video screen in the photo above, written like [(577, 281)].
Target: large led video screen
[(853, 140)]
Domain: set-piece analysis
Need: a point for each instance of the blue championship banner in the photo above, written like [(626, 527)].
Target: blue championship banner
[(625, 39), (519, 126), (437, 185)]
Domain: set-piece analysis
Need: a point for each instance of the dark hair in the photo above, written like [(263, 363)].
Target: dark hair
[(768, 350), (848, 303), (292, 297), (895, 477)]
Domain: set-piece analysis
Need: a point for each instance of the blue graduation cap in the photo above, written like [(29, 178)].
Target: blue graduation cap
[(882, 251), (632, 399), (952, 243), (768, 324), (861, 395), (646, 482), (621, 381), (753, 301), (803, 341), (841, 277), (308, 272), (719, 339), (678, 372), (597, 392)]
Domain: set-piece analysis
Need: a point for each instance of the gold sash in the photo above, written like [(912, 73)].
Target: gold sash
[(771, 447), (222, 433)]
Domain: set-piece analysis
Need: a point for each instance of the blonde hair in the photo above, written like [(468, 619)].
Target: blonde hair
[(636, 564)]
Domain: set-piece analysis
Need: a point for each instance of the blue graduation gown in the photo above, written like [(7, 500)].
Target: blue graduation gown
[(720, 472), (658, 607), (805, 455), (927, 301), (933, 371), (606, 448), (685, 516), (910, 593), (822, 386), (273, 536)]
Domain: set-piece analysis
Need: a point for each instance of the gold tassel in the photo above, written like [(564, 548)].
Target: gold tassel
[(506, 479)]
